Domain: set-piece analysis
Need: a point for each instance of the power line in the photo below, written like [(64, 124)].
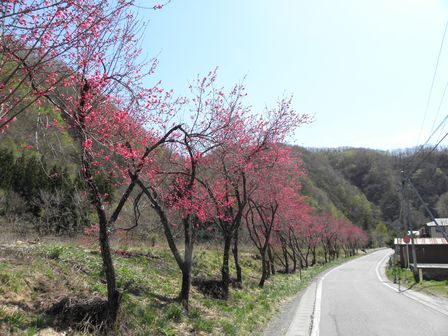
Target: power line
[(417, 166), (423, 146), (428, 101), (440, 105), (432, 83), (435, 131)]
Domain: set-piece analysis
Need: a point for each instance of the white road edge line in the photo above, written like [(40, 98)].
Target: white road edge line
[(317, 303), (316, 314), (384, 282)]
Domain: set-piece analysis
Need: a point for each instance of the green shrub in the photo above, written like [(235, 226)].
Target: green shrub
[(55, 252), (174, 313)]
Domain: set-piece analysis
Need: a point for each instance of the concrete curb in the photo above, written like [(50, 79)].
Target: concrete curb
[(302, 322)]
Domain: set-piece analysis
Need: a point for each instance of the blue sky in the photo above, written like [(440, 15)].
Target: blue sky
[(362, 68)]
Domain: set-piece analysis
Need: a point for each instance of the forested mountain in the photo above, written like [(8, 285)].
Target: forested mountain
[(330, 191), (364, 185)]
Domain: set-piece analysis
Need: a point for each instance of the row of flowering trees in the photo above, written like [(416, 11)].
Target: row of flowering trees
[(204, 160), (284, 228)]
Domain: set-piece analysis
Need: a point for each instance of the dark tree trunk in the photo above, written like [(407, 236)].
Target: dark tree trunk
[(184, 263), (301, 263), (271, 260), (294, 261), (268, 268), (225, 270), (186, 284), (186, 266), (313, 262), (264, 269), (325, 255), (307, 256), (113, 296), (303, 259), (239, 277), (285, 257)]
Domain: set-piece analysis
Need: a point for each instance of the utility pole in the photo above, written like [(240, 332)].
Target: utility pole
[(406, 218), (442, 228)]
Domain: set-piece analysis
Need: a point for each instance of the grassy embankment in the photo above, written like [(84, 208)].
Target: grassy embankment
[(406, 278), (35, 278)]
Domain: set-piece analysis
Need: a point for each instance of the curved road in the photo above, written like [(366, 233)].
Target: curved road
[(352, 300)]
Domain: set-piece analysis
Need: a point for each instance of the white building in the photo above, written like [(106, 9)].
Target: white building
[(434, 230)]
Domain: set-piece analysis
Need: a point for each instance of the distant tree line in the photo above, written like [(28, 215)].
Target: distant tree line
[(369, 183), (47, 196)]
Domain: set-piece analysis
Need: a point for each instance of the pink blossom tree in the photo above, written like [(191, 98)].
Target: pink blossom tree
[(296, 219), (308, 238), (275, 205), (232, 170), (97, 89), (37, 39), (174, 190)]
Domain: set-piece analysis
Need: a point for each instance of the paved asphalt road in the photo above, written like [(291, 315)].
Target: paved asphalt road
[(355, 302)]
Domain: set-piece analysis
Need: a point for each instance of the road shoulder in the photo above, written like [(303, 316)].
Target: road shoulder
[(295, 317), (437, 303), (282, 320)]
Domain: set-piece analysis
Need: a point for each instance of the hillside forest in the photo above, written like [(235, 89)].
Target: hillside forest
[(89, 151)]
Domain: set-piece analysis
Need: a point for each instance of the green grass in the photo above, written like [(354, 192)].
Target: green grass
[(149, 283), (406, 278)]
